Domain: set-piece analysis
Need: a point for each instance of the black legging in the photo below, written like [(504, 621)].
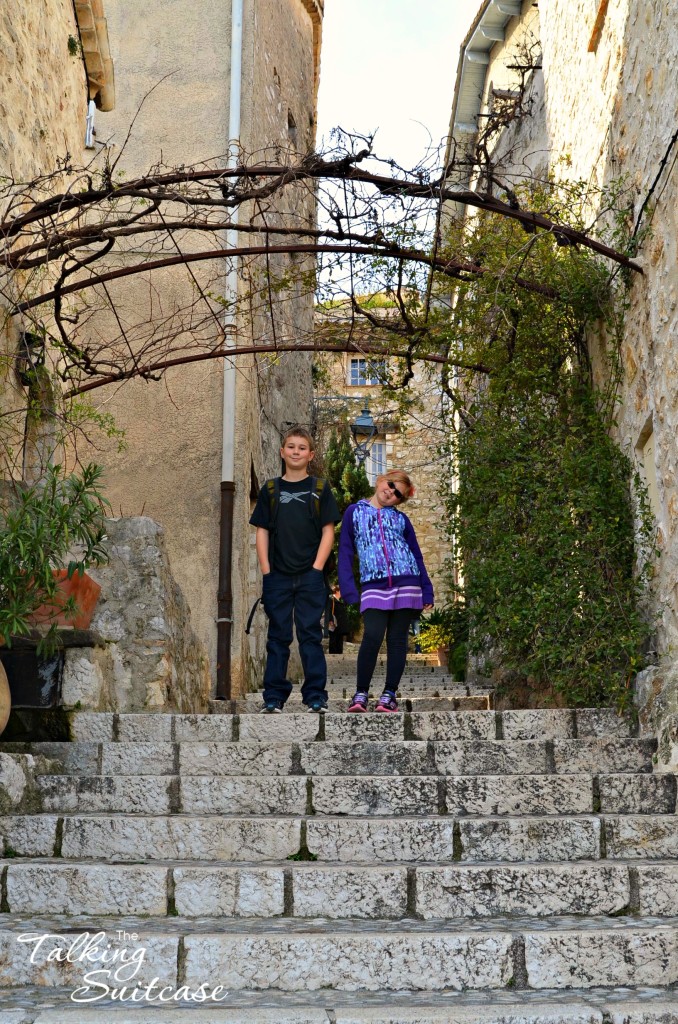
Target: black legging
[(396, 626)]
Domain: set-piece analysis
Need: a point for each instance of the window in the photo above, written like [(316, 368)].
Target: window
[(366, 371), (375, 464)]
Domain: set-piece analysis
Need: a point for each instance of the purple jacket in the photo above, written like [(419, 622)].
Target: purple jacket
[(387, 549)]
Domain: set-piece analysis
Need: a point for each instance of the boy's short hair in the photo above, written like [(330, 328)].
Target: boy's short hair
[(298, 432)]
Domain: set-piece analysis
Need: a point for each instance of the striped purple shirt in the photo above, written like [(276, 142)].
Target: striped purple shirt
[(388, 599)]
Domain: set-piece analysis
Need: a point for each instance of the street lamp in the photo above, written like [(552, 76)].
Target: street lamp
[(363, 429)]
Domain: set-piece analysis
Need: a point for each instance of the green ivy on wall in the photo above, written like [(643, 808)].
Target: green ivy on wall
[(552, 529)]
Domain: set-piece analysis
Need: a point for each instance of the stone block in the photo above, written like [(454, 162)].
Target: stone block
[(180, 838), (138, 758), (644, 1013), (381, 840), (531, 890), (84, 682), (361, 892), (641, 837), (246, 758), (637, 794), (86, 889), (371, 961), (357, 727), (79, 758), (290, 726), (504, 1013), (538, 724), (362, 795), (453, 725), (602, 722), (145, 728), (658, 890), (536, 839), (28, 835), (229, 892), (214, 1015), (518, 794), (241, 795), (106, 794), (17, 782), (16, 968), (497, 757), (91, 726), (610, 957), (387, 759), (606, 755), (203, 728)]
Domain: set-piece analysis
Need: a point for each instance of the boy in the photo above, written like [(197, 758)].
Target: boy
[(295, 533)]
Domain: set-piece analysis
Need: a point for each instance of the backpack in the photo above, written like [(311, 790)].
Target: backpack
[(273, 489)]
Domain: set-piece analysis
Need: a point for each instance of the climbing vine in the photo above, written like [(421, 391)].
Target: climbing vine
[(552, 529)]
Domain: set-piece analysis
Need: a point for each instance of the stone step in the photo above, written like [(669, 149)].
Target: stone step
[(346, 840), (247, 1007), (438, 722), (310, 890), (270, 782), (288, 955), (338, 703), (271, 739)]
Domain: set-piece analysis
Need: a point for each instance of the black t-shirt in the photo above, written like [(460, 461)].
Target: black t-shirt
[(297, 533)]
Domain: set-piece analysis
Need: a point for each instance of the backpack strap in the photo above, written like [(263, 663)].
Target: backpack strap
[(253, 609), (273, 490)]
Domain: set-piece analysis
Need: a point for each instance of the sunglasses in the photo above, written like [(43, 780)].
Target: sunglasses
[(399, 494)]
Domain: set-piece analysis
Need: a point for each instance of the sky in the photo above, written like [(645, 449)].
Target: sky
[(391, 65)]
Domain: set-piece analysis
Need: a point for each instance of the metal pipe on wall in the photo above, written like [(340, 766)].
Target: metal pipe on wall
[(225, 593)]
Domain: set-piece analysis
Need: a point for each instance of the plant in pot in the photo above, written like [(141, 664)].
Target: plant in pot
[(445, 633), (40, 525)]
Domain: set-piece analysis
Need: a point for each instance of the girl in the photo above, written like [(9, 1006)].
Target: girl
[(395, 586)]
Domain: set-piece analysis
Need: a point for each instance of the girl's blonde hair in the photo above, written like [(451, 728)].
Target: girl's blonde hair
[(399, 477)]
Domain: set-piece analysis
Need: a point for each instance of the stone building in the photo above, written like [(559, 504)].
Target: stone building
[(603, 100), (200, 82), (55, 69), (196, 81), (404, 440)]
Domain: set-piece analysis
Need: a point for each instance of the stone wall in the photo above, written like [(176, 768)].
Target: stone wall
[(43, 96), (43, 105), (608, 111), (150, 659)]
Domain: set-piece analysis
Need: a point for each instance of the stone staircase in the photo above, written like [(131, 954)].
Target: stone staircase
[(446, 864)]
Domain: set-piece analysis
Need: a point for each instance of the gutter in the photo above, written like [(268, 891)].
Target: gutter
[(225, 592), (488, 28)]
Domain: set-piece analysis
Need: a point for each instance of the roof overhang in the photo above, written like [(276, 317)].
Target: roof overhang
[(487, 30), (96, 52)]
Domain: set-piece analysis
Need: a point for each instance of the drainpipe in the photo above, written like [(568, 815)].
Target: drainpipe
[(225, 593)]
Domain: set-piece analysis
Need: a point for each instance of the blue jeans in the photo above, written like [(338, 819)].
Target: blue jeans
[(303, 597)]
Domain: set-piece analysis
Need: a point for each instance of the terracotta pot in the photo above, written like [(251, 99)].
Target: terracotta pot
[(83, 589), (441, 655), (5, 698)]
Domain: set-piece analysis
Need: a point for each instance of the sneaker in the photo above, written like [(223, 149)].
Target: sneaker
[(387, 702), (271, 707), (359, 702), (317, 707)]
